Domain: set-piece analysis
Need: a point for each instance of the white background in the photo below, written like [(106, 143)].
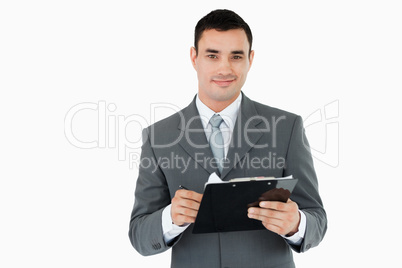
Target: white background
[(64, 206)]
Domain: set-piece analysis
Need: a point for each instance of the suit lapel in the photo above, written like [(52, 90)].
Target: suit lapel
[(245, 134), (194, 141)]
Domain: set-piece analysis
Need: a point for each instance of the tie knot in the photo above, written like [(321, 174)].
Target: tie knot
[(216, 120)]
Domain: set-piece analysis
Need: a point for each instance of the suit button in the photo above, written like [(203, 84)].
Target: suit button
[(308, 246), (156, 246)]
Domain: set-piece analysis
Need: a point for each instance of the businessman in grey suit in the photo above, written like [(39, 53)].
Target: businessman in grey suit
[(254, 140)]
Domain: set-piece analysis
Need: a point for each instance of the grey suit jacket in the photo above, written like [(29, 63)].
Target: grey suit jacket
[(265, 142)]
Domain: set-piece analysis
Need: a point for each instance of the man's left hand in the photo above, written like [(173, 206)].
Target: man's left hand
[(278, 217)]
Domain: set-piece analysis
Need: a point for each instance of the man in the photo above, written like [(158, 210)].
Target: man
[(256, 140)]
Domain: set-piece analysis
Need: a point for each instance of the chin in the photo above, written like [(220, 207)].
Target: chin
[(224, 94)]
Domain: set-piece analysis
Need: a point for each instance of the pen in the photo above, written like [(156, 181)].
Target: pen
[(182, 187)]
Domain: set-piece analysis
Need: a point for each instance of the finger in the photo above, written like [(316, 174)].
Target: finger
[(265, 213), (185, 203), (280, 206), (186, 211), (186, 194), (274, 205), (275, 228), (182, 219), (182, 214), (275, 225)]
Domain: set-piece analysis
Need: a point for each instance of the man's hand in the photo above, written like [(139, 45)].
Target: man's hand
[(185, 205), (278, 217)]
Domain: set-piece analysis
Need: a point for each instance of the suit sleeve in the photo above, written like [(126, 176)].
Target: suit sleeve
[(299, 163), (151, 197)]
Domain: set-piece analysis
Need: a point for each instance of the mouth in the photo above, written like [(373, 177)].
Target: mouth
[(223, 83)]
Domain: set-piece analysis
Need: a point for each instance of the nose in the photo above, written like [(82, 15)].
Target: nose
[(225, 67)]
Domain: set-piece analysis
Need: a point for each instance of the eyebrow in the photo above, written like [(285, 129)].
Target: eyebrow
[(210, 50), (237, 52)]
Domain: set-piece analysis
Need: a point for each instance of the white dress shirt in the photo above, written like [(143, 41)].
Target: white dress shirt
[(229, 115)]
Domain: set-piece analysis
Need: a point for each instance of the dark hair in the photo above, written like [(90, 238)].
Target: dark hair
[(221, 20)]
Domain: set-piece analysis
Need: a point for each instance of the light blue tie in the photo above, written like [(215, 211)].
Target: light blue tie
[(216, 140)]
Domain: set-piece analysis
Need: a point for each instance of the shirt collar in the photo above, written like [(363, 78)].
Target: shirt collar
[(229, 114)]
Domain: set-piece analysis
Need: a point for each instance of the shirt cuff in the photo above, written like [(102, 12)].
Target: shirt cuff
[(169, 229), (297, 238)]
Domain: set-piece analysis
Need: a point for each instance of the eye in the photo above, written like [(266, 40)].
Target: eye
[(212, 56), (237, 57)]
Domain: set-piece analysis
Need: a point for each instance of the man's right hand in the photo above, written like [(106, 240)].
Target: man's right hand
[(185, 205)]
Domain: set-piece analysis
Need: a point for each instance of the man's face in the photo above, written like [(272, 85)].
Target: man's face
[(222, 65)]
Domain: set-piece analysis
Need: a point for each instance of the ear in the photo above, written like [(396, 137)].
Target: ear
[(251, 58), (193, 57)]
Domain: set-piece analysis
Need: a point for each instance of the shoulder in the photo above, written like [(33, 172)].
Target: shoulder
[(170, 122), (165, 126), (168, 130), (266, 109), (284, 123), (270, 112)]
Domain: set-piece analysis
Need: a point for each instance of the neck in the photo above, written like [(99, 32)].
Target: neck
[(217, 105)]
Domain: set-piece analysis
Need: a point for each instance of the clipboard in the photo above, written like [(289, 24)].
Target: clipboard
[(224, 206)]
